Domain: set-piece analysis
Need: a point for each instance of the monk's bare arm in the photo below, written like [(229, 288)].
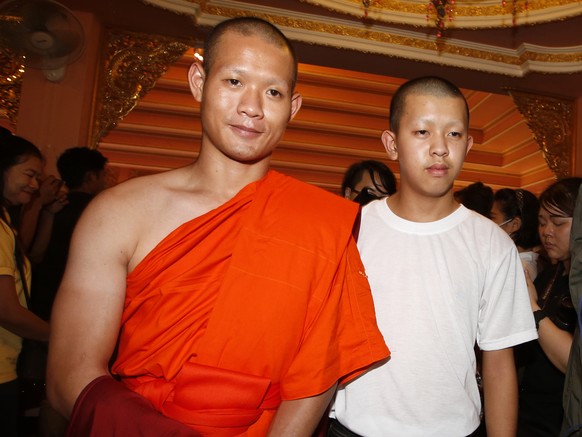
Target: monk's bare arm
[(300, 417), (87, 311)]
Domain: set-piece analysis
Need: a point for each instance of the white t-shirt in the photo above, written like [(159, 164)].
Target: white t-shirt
[(438, 288)]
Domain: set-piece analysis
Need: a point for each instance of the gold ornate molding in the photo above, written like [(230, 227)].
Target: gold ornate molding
[(390, 41), (468, 14), (11, 72), (552, 122), (133, 63)]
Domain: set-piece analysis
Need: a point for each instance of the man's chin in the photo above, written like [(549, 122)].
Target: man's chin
[(253, 160)]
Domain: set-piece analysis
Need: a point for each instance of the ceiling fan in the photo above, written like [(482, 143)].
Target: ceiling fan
[(44, 33)]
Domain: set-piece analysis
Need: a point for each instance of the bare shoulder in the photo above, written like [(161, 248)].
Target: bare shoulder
[(114, 205), (142, 194), (140, 212)]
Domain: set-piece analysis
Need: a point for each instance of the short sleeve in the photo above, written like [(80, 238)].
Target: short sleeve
[(7, 266), (505, 316)]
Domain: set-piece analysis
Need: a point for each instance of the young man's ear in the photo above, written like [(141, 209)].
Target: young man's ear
[(389, 141), (196, 78)]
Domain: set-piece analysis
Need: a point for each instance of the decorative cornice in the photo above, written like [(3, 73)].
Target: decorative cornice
[(389, 41), (468, 14)]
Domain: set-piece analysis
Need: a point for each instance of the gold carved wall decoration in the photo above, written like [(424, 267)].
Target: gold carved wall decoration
[(11, 72), (133, 63), (551, 121)]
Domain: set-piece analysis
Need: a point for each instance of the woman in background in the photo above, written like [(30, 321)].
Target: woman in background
[(21, 169), (368, 180), (543, 362), (516, 212)]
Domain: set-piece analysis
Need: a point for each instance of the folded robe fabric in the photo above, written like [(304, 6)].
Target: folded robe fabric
[(119, 412), (260, 300)]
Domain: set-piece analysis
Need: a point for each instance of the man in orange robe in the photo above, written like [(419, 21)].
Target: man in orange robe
[(239, 294)]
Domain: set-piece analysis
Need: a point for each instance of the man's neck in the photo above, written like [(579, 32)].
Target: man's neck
[(227, 180), (422, 209)]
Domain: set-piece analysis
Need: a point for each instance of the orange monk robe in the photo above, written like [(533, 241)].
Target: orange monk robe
[(263, 299)]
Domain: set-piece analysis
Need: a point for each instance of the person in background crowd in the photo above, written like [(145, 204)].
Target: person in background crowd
[(21, 170), (83, 172), (542, 363), (477, 197), (516, 212), (572, 400), (365, 181)]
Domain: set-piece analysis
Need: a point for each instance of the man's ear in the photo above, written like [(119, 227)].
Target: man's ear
[(196, 78), (469, 144), (389, 141), (296, 101)]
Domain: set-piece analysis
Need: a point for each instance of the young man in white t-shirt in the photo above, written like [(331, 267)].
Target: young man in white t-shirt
[(443, 278)]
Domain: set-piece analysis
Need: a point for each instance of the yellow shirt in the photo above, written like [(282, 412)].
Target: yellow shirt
[(10, 344)]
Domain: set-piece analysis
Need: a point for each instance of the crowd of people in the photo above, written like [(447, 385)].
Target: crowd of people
[(38, 215), (541, 230), (224, 298)]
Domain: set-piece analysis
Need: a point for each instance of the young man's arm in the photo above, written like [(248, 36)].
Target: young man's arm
[(500, 392), (300, 417)]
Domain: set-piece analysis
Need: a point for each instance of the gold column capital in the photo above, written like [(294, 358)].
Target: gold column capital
[(551, 121), (132, 64)]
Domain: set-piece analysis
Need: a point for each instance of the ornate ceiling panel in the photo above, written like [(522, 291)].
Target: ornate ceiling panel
[(467, 14), (346, 28)]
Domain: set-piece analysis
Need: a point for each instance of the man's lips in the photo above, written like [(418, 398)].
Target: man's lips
[(245, 130), (438, 169)]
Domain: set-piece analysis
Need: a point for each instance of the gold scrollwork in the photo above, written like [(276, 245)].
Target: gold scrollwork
[(11, 72), (463, 8), (134, 62), (551, 121)]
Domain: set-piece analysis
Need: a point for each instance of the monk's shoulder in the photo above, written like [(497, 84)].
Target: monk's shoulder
[(142, 191)]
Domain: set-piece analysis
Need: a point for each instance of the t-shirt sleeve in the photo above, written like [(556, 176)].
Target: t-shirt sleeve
[(505, 316)]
